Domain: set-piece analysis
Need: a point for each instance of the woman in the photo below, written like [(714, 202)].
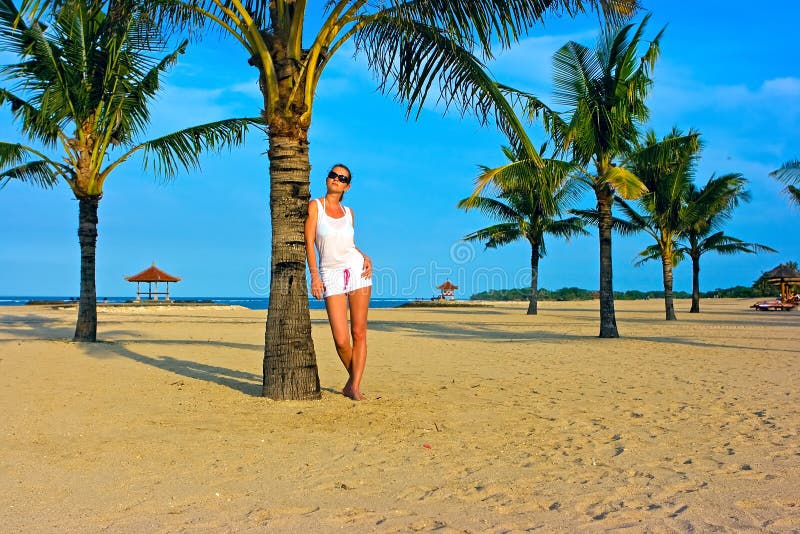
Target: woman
[(342, 277)]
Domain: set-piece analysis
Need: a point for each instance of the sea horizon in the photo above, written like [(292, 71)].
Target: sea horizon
[(253, 303)]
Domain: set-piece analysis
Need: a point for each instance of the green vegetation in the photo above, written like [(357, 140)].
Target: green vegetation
[(576, 293)]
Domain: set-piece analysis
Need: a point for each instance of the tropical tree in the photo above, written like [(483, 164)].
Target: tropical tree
[(604, 91), (529, 202), (789, 174), (666, 168), (83, 84), (413, 47), (708, 209)]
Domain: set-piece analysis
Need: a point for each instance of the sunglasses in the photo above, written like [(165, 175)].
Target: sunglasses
[(341, 177)]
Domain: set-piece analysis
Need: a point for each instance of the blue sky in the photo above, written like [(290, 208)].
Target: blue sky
[(731, 73)]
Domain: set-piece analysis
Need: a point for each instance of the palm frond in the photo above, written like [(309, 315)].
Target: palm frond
[(636, 219), (502, 175), (181, 150), (13, 154), (624, 227), (567, 228), (40, 173), (651, 253), (788, 173), (723, 244), (13, 35), (129, 114), (592, 217), (489, 22), (737, 248), (625, 183), (411, 57), (496, 235), (604, 91), (490, 207), (709, 207), (793, 193), (575, 67)]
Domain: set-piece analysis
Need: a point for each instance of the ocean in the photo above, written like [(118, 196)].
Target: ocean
[(252, 303)]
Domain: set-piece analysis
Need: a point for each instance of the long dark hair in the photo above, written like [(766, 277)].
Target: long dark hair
[(350, 174)]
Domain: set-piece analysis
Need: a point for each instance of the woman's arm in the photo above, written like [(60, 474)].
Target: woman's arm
[(310, 232), (367, 269)]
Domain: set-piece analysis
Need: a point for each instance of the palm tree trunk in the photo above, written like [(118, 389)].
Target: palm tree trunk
[(533, 305), (290, 365), (666, 268), (86, 328), (695, 285), (608, 320)]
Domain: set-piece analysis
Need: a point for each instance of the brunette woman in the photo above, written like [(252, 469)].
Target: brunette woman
[(341, 274)]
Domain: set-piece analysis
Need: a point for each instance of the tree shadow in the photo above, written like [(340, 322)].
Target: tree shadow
[(27, 327), (499, 331), (482, 330), (242, 381)]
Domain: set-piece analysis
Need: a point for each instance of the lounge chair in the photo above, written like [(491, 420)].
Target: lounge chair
[(774, 305)]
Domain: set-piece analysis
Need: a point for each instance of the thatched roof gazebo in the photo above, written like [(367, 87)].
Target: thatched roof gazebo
[(152, 275), (784, 276), (448, 290)]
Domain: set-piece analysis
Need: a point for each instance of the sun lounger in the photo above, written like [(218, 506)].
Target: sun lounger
[(773, 305)]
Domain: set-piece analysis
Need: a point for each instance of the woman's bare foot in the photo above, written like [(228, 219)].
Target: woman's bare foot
[(347, 390), (350, 393)]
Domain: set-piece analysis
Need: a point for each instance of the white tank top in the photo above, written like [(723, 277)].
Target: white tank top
[(334, 239)]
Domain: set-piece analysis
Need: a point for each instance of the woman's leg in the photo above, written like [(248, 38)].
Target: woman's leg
[(336, 306), (359, 306)]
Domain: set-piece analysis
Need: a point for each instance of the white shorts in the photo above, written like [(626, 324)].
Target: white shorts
[(344, 280)]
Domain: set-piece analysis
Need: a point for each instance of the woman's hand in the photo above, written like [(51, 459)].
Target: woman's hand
[(367, 270), (317, 287)]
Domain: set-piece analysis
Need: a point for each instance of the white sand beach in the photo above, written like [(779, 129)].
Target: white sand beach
[(478, 419)]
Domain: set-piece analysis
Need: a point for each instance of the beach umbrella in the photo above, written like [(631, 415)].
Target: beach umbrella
[(784, 276)]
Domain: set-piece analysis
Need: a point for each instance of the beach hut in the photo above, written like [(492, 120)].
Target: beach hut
[(152, 275), (448, 290), (786, 277)]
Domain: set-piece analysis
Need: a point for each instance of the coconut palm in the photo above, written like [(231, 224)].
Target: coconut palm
[(666, 168), (789, 174), (530, 200), (414, 47), (711, 207), (82, 85), (604, 91)]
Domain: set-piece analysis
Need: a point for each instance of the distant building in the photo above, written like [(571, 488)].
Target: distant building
[(152, 275)]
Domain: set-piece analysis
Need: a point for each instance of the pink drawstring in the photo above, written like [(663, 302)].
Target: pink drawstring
[(346, 278)]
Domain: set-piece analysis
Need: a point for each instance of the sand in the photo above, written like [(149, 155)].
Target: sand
[(478, 420)]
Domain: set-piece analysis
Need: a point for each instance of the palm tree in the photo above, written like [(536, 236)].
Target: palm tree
[(789, 174), (529, 201), (412, 46), (604, 91), (83, 84), (708, 209), (666, 169)]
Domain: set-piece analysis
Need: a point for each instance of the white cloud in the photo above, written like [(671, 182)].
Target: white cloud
[(789, 87), (530, 61), (249, 88)]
